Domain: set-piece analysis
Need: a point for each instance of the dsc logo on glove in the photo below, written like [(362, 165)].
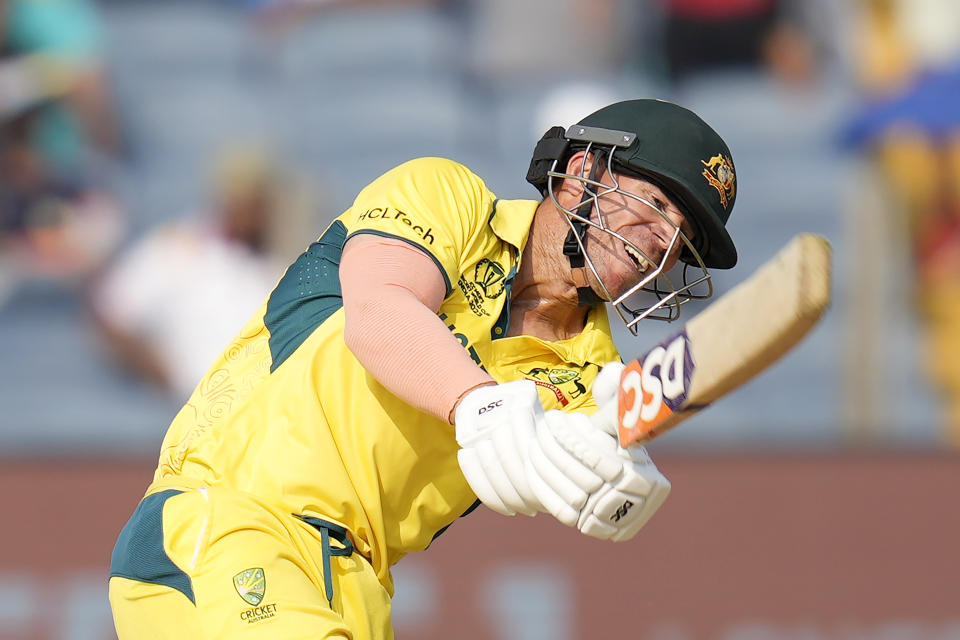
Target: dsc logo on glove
[(490, 407)]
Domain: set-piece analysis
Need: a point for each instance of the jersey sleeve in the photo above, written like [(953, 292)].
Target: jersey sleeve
[(434, 204)]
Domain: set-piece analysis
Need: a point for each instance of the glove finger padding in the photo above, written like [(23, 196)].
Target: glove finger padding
[(557, 502), (588, 453), (564, 466), (606, 386), (606, 390), (583, 477), (478, 479), (494, 476), (565, 443)]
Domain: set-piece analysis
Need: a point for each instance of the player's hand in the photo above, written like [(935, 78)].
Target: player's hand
[(620, 508), (585, 479), (496, 427), (606, 390)]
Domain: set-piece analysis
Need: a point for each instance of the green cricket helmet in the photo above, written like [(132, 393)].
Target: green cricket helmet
[(671, 147), (668, 145)]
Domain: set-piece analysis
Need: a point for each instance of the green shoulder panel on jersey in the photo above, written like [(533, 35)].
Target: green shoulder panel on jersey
[(308, 294), (139, 553)]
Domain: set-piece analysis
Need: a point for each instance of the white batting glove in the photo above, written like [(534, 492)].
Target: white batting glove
[(620, 508), (582, 476), (496, 427), (606, 504), (565, 490), (606, 389)]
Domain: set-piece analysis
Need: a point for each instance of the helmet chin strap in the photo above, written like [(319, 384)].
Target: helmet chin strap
[(586, 297), (571, 245)]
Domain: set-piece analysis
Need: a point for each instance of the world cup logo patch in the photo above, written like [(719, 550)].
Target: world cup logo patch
[(490, 277), (251, 585), (718, 171)]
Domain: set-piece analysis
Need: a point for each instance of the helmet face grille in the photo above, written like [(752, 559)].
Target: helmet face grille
[(657, 293), (674, 148)]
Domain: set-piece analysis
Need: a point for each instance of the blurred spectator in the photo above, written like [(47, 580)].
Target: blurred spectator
[(62, 42), (55, 117), (170, 303), (51, 226), (710, 35), (899, 39), (908, 55)]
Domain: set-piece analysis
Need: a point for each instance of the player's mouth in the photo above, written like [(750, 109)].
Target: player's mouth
[(641, 262)]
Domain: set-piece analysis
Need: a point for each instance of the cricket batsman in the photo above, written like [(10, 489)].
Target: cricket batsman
[(435, 348)]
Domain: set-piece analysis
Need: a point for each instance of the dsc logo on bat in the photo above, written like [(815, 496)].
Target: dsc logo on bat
[(656, 385)]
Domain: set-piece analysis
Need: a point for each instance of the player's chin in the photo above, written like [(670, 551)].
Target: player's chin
[(618, 284), (600, 286)]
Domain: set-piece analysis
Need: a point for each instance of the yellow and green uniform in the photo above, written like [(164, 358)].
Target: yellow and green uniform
[(288, 416)]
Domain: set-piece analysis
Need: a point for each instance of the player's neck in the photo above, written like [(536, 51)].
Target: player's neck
[(547, 321), (544, 299)]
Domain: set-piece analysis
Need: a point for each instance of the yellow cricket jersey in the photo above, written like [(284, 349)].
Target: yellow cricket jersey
[(287, 413)]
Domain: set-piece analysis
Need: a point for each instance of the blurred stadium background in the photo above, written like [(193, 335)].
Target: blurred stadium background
[(814, 503)]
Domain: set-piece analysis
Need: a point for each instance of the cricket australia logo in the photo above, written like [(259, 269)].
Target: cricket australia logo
[(251, 584), (489, 281), (718, 171), (552, 379)]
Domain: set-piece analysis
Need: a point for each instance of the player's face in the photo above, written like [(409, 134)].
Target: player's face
[(649, 230)]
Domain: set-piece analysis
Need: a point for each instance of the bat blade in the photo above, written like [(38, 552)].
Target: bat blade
[(727, 344)]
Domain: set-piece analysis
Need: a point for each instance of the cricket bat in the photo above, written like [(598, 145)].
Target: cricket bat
[(730, 342)]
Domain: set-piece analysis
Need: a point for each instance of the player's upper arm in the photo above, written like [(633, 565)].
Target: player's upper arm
[(373, 267), (434, 204), (389, 280)]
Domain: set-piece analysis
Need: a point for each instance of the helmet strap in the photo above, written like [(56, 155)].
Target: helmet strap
[(571, 248), (578, 231), (585, 294), (587, 298)]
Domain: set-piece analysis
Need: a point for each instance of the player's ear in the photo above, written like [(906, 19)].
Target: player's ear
[(579, 164)]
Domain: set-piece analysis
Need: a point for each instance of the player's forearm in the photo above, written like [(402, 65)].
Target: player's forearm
[(419, 360)]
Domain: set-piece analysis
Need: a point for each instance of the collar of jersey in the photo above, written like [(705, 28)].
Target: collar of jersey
[(511, 220), (593, 345)]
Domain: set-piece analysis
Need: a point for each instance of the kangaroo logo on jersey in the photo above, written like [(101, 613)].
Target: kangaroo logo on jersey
[(719, 173), (552, 378), (655, 385), (251, 584)]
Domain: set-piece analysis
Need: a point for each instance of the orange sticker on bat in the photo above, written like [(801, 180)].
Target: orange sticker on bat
[(654, 386)]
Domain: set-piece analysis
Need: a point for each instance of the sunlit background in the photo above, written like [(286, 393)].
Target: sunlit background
[(161, 162)]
